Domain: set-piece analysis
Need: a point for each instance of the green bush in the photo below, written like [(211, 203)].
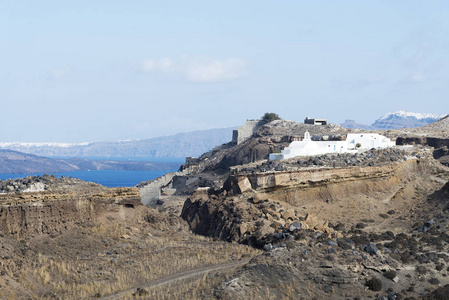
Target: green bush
[(268, 117), (390, 274), (374, 284)]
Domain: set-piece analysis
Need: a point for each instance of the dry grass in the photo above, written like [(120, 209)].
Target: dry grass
[(130, 258)]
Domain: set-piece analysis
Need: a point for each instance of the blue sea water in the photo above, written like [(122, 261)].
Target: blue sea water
[(110, 178), (154, 159)]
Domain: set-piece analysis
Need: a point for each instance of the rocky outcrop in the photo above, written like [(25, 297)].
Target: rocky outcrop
[(326, 183), (269, 138), (252, 207), (435, 142), (44, 183), (440, 144), (238, 219)]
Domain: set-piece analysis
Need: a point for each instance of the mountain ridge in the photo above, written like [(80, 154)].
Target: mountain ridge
[(179, 145), (396, 120)]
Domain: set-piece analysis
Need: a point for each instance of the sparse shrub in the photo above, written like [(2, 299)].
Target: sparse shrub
[(360, 225), (368, 220), (390, 274), (140, 292), (339, 227), (374, 284), (434, 281)]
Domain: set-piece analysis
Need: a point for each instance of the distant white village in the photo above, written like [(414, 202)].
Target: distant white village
[(352, 144)]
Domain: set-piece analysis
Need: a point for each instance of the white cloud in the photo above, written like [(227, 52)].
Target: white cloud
[(59, 73), (199, 68), (416, 77), (361, 82)]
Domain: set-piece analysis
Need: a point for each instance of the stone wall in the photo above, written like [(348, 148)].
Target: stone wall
[(246, 131)]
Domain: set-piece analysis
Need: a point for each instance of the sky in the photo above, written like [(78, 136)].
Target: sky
[(91, 70)]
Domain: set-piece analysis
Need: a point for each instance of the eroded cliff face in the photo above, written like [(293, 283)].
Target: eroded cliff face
[(326, 184), (255, 205), (49, 213)]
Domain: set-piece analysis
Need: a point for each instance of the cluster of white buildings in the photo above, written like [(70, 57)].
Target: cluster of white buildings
[(353, 143)]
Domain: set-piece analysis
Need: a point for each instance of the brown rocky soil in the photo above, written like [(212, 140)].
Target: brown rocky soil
[(93, 242), (327, 238), (368, 226), (362, 226)]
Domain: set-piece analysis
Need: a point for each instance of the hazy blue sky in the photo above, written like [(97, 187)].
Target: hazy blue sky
[(88, 70)]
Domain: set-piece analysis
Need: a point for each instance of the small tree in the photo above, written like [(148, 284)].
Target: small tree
[(268, 117), (358, 145)]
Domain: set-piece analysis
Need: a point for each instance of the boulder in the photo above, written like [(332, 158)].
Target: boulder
[(311, 220), (295, 226)]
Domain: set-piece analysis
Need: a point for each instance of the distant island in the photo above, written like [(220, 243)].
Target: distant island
[(14, 162)]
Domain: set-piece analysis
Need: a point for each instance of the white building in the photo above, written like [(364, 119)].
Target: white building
[(353, 143)]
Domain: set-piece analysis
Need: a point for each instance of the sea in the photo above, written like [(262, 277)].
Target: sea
[(111, 178)]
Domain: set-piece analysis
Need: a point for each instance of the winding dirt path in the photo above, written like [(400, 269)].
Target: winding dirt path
[(178, 276)]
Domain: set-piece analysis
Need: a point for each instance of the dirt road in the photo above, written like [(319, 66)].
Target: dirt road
[(178, 276)]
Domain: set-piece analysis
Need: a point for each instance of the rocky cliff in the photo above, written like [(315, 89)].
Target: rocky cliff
[(254, 204), (53, 212)]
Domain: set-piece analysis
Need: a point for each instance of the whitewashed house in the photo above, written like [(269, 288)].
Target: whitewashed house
[(353, 143), (368, 141)]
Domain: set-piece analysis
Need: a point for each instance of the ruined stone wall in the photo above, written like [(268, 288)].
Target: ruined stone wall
[(150, 193), (422, 140)]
